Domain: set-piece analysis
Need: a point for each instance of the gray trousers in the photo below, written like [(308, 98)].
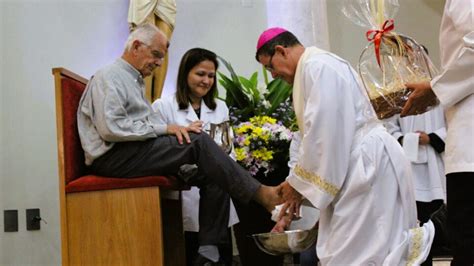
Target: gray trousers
[(218, 175)]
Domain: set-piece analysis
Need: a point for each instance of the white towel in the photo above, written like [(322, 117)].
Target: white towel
[(410, 145)]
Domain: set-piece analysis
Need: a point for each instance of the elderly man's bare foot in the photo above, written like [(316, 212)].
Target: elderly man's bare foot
[(268, 197)]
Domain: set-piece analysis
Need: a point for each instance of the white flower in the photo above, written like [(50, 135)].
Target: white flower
[(266, 104), (262, 88)]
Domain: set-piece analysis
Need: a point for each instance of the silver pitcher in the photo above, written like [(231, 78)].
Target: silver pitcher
[(222, 134)]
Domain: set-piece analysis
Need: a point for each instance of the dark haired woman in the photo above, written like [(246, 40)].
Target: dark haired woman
[(195, 103)]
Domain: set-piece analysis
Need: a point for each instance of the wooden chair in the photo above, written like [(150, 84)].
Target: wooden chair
[(104, 220)]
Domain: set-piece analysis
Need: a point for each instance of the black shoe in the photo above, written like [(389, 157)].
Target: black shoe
[(187, 171), (203, 261)]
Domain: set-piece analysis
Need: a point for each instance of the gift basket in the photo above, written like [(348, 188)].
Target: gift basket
[(391, 59)]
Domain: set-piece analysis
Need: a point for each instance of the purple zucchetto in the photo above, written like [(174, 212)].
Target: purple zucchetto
[(268, 35)]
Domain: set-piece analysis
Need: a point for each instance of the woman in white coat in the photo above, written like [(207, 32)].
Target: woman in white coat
[(195, 103)]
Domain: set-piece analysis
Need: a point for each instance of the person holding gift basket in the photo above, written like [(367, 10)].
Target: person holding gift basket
[(454, 88), (349, 166)]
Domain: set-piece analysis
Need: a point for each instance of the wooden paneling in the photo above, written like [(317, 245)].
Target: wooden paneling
[(115, 227)]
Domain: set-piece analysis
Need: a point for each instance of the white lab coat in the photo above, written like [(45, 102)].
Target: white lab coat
[(428, 168), (454, 87), (171, 114), (352, 170)]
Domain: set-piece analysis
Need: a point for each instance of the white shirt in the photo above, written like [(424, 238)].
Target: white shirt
[(454, 87), (168, 110)]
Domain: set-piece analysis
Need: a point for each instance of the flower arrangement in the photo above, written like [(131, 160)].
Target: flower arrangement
[(258, 140), (262, 118)]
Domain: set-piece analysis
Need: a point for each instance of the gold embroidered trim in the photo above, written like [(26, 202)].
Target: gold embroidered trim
[(317, 180), (416, 247)]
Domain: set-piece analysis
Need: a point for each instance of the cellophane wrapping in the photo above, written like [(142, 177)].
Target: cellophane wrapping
[(401, 59)]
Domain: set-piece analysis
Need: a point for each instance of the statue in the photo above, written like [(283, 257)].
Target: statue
[(161, 13)]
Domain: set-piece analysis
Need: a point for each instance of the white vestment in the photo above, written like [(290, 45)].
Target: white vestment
[(454, 87), (171, 114), (352, 170), (428, 167)]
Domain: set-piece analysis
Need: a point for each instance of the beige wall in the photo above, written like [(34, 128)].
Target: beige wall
[(36, 36), (230, 28), (419, 19)]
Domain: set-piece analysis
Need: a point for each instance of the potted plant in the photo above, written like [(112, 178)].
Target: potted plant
[(262, 118)]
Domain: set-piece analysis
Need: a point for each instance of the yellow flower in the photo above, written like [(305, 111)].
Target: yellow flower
[(260, 120), (240, 154), (247, 141), (257, 132), (243, 128), (263, 154), (269, 120), (260, 133)]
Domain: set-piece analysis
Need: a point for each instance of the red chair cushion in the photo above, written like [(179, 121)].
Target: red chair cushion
[(73, 154), (95, 183)]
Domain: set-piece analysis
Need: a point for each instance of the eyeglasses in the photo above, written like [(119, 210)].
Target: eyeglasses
[(155, 53), (269, 66)]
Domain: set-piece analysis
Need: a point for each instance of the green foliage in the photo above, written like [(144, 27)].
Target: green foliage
[(246, 100)]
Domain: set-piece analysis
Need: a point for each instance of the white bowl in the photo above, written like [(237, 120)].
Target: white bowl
[(293, 241)]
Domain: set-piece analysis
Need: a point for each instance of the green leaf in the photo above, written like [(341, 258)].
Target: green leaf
[(279, 91), (234, 95), (265, 75), (243, 94), (233, 75), (247, 84), (254, 79)]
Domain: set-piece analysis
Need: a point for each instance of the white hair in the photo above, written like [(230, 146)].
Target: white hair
[(143, 33)]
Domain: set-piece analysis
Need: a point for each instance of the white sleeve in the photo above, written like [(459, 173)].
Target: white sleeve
[(457, 80), (439, 119), (160, 106), (294, 150), (329, 127), (393, 126)]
